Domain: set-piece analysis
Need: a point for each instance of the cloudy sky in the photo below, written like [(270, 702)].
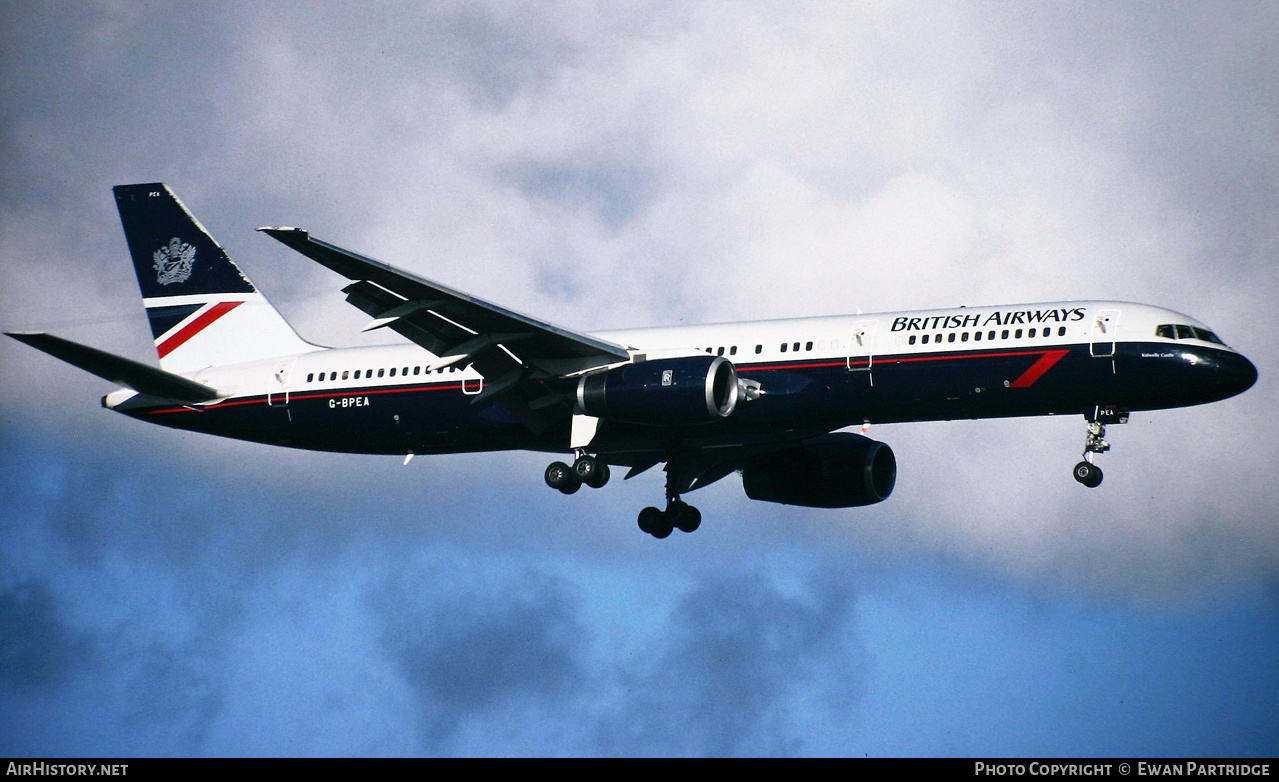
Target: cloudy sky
[(619, 165)]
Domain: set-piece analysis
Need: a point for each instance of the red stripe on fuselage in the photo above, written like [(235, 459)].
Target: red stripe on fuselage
[(260, 400), (1038, 369), (195, 327)]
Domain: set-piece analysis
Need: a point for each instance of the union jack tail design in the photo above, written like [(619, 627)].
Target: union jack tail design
[(203, 310)]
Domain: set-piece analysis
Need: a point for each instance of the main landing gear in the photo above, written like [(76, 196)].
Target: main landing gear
[(586, 470), (1086, 472), (591, 471), (679, 515)]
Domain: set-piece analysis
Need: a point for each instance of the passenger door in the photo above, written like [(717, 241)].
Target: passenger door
[(861, 347), (277, 386), (1101, 338)]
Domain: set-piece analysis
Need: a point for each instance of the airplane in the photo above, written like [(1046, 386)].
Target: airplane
[(767, 399)]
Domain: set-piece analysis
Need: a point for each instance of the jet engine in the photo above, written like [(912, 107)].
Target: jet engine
[(662, 392), (837, 470)]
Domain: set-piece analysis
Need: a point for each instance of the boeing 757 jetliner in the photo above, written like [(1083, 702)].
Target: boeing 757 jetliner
[(763, 398)]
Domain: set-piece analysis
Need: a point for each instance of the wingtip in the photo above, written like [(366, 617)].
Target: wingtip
[(124, 190), (272, 230)]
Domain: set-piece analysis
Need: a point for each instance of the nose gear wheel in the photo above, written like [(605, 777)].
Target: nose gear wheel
[(1086, 472)]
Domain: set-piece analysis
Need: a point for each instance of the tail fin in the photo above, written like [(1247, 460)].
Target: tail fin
[(203, 310)]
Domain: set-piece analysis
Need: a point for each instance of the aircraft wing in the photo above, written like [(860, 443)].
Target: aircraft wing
[(512, 351)]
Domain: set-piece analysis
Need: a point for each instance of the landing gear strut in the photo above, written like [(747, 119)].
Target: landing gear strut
[(679, 515), (1086, 472)]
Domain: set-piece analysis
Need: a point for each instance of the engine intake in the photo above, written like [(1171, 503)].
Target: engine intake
[(662, 392), (838, 470)]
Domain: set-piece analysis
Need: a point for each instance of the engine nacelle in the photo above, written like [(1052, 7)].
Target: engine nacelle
[(662, 392), (838, 470)]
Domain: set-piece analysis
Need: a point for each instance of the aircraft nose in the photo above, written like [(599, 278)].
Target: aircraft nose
[(1236, 373)]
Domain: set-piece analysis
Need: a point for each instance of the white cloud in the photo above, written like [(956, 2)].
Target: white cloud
[(705, 163)]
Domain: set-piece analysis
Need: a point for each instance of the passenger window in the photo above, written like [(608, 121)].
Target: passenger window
[(783, 347), (950, 337), (808, 346), (357, 374), (963, 337), (976, 336), (925, 339), (333, 376), (309, 376), (720, 352), (381, 372), (912, 339), (1017, 334), (759, 349), (392, 371), (345, 373), (732, 351), (417, 370), (991, 335), (937, 338), (796, 347), (1061, 332)]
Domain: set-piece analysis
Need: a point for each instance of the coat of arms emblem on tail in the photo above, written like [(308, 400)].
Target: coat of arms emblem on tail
[(173, 261)]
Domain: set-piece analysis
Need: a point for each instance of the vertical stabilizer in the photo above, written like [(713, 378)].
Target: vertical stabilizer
[(203, 310)]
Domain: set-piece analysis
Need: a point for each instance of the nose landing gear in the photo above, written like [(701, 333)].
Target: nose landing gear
[(1086, 472)]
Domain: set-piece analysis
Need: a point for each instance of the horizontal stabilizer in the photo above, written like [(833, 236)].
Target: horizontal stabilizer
[(127, 372)]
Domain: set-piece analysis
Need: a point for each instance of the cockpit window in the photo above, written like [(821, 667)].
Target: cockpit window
[(1207, 336), (1179, 331)]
